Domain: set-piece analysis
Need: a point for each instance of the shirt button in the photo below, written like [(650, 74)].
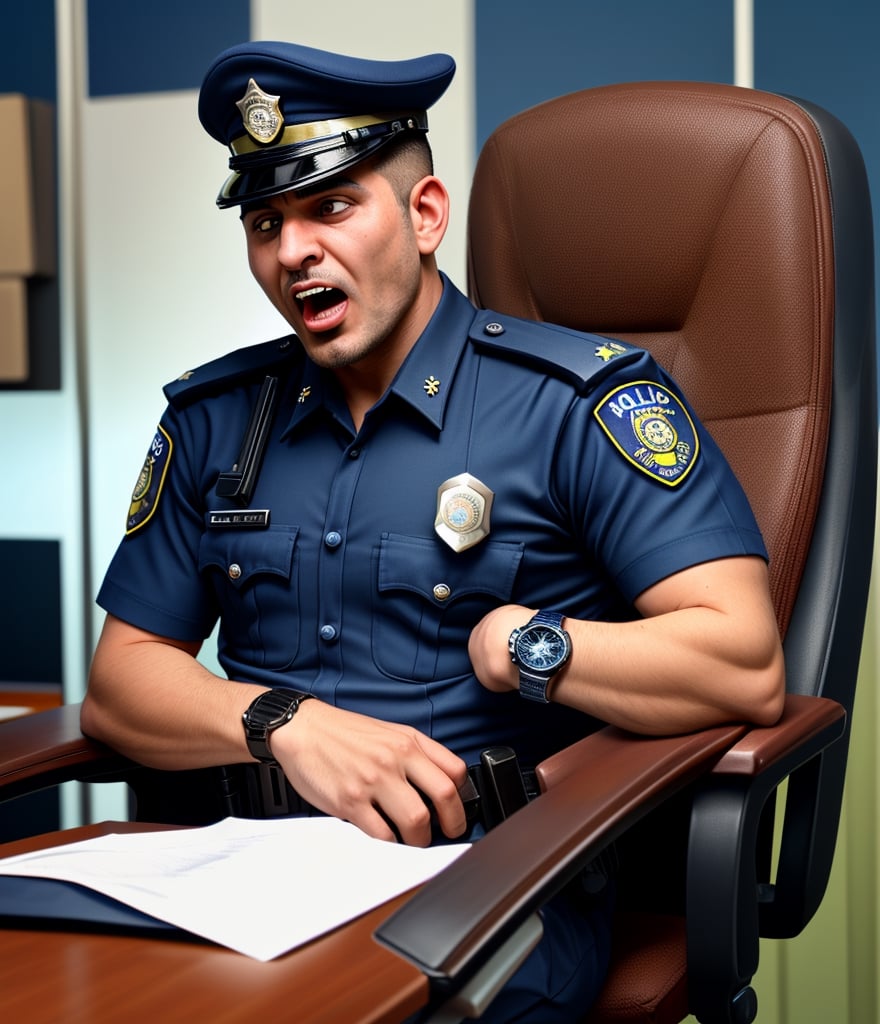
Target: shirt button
[(234, 571), (354, 453), (442, 592), (328, 633), (333, 539)]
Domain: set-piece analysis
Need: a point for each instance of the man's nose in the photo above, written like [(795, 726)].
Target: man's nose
[(298, 243)]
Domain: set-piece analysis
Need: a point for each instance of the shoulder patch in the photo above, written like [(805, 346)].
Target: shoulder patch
[(223, 372), (651, 428), (580, 358), (148, 487)]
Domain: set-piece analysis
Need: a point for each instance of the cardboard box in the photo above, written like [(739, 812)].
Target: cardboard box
[(14, 364), (27, 187)]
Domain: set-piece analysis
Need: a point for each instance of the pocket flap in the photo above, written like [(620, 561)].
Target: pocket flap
[(420, 565), (243, 555)]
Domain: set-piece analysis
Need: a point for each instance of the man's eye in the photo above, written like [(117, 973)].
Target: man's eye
[(265, 224), (331, 207)]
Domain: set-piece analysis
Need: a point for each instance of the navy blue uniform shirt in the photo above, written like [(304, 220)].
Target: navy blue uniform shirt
[(604, 483)]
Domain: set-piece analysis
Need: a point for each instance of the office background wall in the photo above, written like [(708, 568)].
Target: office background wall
[(154, 278)]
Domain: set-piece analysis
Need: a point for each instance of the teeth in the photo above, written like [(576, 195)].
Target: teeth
[(312, 291)]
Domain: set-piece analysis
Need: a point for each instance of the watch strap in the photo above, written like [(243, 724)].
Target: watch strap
[(266, 713), (548, 618), (533, 686)]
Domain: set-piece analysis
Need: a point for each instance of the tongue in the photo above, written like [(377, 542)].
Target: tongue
[(325, 309)]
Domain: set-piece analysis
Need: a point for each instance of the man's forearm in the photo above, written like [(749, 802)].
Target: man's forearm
[(152, 701)]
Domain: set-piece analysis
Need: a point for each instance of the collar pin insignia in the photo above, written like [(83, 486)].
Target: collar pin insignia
[(609, 350)]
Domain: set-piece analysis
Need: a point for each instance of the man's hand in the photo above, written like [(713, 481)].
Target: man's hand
[(372, 773), (488, 648)]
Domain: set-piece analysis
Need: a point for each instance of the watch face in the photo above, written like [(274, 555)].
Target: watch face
[(541, 648)]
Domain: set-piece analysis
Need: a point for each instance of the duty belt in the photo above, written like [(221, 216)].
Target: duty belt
[(494, 788)]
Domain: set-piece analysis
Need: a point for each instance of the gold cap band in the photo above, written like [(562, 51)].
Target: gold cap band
[(296, 133)]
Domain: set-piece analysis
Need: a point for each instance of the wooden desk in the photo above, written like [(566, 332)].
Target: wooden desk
[(67, 977), (17, 699)]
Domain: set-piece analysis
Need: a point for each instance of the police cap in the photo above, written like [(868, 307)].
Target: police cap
[(292, 115)]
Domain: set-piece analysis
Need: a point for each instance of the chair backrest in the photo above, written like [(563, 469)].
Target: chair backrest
[(705, 222), (728, 231)]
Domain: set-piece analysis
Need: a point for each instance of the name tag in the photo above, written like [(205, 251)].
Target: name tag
[(239, 519)]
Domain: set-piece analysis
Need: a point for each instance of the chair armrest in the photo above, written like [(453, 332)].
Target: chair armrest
[(44, 749), (808, 725), (729, 898), (594, 791)]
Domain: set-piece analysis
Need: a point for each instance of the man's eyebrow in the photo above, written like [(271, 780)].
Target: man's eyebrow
[(319, 188), (327, 185)]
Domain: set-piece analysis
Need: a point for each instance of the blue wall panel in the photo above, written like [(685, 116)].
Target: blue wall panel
[(30, 611), (822, 52), (160, 46), (27, 48), (529, 52), (828, 54)]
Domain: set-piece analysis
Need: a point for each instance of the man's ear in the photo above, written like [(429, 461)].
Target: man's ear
[(429, 210)]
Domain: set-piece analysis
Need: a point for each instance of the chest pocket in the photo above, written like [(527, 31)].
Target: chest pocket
[(253, 576), (428, 599)]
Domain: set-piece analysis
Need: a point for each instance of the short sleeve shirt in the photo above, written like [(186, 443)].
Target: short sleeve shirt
[(492, 471)]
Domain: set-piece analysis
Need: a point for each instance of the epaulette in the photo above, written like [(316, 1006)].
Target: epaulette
[(219, 374), (581, 359)]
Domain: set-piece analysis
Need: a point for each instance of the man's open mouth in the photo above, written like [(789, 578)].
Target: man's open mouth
[(317, 303)]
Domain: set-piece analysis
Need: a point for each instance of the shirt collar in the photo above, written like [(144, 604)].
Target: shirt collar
[(311, 397), (424, 381)]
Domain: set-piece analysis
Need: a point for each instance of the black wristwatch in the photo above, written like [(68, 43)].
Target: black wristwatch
[(539, 649), (265, 714)]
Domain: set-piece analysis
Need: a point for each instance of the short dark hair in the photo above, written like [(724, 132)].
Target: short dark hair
[(404, 162)]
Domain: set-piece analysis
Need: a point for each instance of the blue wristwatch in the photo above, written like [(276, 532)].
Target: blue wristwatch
[(539, 649)]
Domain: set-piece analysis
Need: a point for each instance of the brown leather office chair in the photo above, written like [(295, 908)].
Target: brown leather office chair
[(730, 232)]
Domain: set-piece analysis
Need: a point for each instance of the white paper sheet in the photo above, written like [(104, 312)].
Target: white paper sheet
[(259, 887)]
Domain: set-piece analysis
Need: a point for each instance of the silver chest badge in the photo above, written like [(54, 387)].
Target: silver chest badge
[(463, 507)]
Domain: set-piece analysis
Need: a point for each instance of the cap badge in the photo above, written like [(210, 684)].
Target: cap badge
[(260, 113), (463, 507)]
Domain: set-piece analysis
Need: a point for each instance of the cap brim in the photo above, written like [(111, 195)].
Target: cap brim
[(254, 178)]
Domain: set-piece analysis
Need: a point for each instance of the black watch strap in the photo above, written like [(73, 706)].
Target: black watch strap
[(267, 713)]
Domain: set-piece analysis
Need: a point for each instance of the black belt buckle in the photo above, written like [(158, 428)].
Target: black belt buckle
[(498, 781), (470, 798), (268, 794), (273, 791)]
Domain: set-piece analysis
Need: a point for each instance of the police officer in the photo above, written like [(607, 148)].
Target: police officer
[(425, 529)]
